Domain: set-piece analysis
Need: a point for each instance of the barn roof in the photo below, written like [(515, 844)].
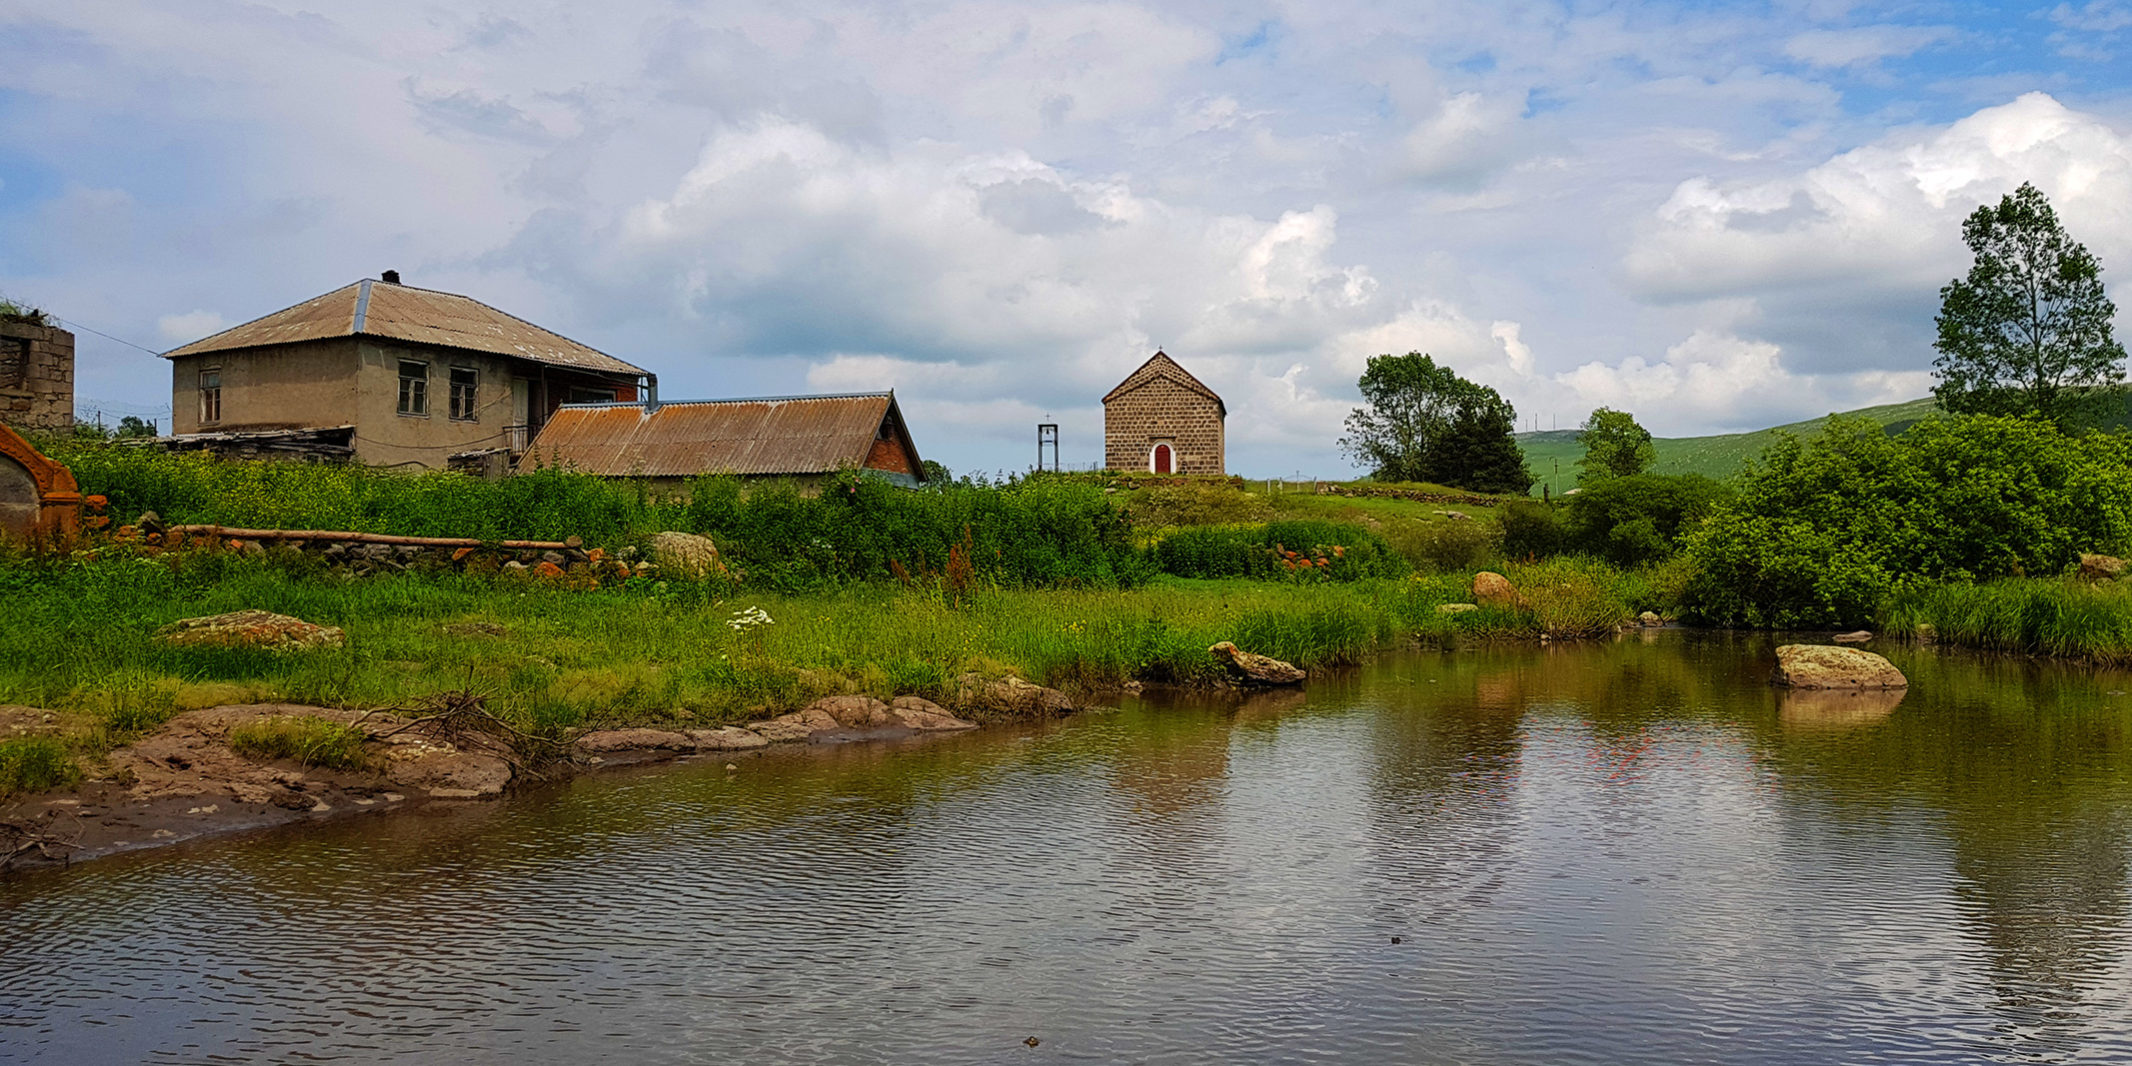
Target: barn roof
[(1160, 365), (773, 435), (421, 316)]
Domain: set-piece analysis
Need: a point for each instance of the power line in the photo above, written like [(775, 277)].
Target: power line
[(72, 324)]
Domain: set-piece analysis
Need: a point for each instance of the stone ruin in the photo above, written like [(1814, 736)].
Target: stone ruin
[(36, 375), (38, 497)]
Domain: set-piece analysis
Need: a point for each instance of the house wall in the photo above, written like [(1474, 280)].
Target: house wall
[(36, 377), (1158, 410), (285, 386), (385, 437), (888, 454)]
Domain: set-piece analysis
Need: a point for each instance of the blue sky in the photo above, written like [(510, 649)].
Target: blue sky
[(1718, 216)]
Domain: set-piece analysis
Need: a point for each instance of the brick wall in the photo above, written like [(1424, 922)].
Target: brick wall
[(888, 454), (36, 377), (1162, 409)]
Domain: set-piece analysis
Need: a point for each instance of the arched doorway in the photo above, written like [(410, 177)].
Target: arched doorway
[(1163, 461)]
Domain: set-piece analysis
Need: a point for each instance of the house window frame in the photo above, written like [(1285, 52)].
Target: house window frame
[(414, 389), (210, 389), (464, 407)]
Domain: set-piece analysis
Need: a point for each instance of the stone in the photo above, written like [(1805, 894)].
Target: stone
[(1650, 620), (1491, 589), (445, 771), (1009, 697), (251, 629), (1456, 608), (1855, 637), (1257, 669), (1828, 666), (915, 712), (2101, 567), (854, 712), (685, 555), (610, 740), (799, 725), (1926, 633), (728, 738)]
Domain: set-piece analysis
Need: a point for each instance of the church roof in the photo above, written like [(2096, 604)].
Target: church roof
[(1161, 366)]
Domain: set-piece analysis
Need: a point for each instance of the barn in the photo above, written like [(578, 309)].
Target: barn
[(796, 437), (1162, 420)]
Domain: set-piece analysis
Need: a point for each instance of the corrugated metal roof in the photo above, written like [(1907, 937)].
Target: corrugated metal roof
[(405, 313), (767, 435), (1160, 365)]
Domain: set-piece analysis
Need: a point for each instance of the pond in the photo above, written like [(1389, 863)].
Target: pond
[(1631, 852)]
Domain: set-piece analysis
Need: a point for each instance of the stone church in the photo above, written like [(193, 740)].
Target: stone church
[(1162, 420)]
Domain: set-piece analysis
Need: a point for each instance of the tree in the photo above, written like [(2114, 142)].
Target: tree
[(1614, 446), (2028, 331), (1423, 422)]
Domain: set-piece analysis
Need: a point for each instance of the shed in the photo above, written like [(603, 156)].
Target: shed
[(769, 436)]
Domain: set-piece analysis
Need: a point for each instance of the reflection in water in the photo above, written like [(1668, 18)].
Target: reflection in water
[(1631, 852)]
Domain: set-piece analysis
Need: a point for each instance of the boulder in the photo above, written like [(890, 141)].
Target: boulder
[(799, 725), (251, 629), (2101, 567), (1856, 637), (1257, 669), (914, 712), (1456, 608), (729, 738), (606, 740), (1650, 620), (854, 712), (685, 555), (1491, 589), (1009, 697), (1828, 666)]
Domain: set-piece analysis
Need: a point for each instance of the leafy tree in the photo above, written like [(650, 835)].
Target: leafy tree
[(1614, 446), (2028, 331), (131, 426), (1640, 518), (1425, 423)]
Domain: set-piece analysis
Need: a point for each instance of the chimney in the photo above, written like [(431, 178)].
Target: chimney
[(390, 277), (650, 392)]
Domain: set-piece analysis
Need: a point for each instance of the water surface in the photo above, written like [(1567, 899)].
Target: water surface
[(1633, 852)]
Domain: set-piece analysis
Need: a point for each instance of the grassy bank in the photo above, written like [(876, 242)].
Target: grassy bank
[(2062, 618), (81, 639)]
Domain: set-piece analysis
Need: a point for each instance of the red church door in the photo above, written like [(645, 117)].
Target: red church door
[(1162, 459)]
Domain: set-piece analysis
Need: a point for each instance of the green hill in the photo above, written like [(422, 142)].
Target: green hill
[(1552, 454)]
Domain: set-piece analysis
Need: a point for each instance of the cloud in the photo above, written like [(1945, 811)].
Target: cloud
[(1861, 45), (175, 330)]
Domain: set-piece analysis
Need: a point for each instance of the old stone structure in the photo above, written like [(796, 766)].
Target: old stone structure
[(1162, 420), (36, 376), (38, 497), (414, 376)]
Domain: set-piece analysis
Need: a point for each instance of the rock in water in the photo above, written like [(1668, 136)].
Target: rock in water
[(1857, 637), (251, 629), (685, 555), (1008, 697), (2101, 567), (1258, 669), (612, 740), (1650, 620), (1494, 590), (854, 712), (914, 712), (1827, 666)]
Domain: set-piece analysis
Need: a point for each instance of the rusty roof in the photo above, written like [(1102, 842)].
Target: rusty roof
[(773, 435), (405, 313), (1160, 365)]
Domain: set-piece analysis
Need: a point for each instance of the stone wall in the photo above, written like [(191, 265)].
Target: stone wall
[(36, 377), (1163, 409)]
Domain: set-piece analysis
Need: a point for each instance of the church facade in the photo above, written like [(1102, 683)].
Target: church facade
[(1162, 420)]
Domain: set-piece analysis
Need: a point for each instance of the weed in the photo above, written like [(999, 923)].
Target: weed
[(36, 763), (305, 739)]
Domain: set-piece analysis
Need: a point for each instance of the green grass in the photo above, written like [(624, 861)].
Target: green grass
[(2057, 617), (36, 763), (305, 739)]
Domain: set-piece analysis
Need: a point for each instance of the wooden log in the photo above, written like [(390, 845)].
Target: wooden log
[(232, 533)]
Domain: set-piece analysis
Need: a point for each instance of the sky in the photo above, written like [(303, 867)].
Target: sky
[(1716, 216)]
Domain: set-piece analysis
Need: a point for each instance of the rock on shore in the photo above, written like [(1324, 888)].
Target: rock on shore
[(1258, 669), (1825, 666)]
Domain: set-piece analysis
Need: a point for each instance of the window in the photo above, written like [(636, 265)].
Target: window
[(462, 397), (210, 394), (414, 387), (579, 394)]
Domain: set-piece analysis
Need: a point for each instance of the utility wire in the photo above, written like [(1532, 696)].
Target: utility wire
[(72, 324)]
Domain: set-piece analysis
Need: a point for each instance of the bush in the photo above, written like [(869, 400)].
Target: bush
[(1447, 545), (1337, 551), (1823, 533), (308, 740), (1531, 529), (1634, 520), (1194, 503)]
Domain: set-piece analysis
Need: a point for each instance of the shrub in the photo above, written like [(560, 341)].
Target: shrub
[(1531, 530), (35, 763), (1446, 545), (308, 740), (1194, 503), (1630, 521), (1317, 550)]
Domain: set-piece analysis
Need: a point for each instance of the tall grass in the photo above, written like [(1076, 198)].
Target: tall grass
[(305, 739), (2058, 617), (35, 763)]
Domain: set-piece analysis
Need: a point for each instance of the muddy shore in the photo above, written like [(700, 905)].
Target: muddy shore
[(184, 781)]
